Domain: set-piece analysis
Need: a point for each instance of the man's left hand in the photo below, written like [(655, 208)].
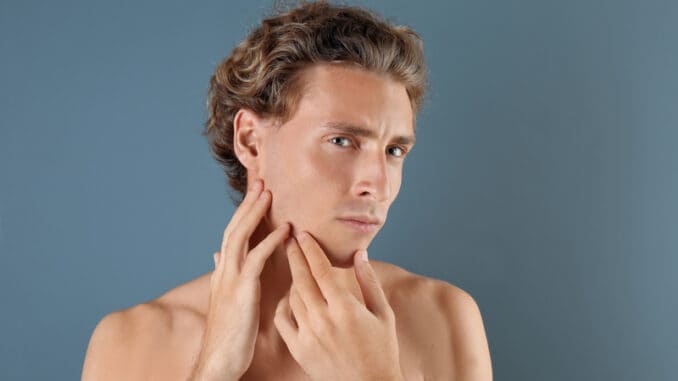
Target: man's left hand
[(336, 336)]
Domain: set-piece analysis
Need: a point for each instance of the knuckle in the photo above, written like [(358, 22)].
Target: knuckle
[(225, 240), (227, 248), (237, 234), (248, 274), (343, 308)]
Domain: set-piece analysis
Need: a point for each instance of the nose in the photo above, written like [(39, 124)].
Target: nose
[(372, 177)]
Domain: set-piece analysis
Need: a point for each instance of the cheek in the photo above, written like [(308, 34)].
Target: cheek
[(298, 180), (394, 177), (314, 169), (396, 181)]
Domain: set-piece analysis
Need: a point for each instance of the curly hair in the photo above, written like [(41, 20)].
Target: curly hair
[(262, 72)]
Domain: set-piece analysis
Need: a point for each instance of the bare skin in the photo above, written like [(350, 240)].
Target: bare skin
[(438, 327), (440, 334)]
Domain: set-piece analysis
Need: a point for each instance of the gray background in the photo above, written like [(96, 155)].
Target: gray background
[(544, 181)]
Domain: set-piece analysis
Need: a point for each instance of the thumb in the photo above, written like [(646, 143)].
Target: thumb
[(217, 256), (375, 299)]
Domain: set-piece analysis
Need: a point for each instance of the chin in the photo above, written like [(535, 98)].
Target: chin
[(339, 256), (338, 246)]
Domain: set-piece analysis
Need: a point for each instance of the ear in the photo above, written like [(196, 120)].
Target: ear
[(247, 133)]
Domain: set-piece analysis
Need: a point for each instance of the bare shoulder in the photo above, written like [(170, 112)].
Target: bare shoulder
[(126, 343), (441, 320), (114, 347)]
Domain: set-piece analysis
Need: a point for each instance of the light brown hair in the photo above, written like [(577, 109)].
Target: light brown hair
[(261, 73)]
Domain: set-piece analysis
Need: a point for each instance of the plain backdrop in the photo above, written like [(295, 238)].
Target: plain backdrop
[(544, 181)]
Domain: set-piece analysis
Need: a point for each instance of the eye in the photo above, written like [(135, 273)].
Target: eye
[(400, 151), (341, 139)]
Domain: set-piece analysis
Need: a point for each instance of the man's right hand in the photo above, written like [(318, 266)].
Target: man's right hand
[(232, 321)]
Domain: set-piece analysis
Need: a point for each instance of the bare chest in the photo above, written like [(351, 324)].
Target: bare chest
[(423, 340), (265, 368), (175, 361)]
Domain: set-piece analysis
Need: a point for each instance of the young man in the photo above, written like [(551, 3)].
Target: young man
[(311, 117)]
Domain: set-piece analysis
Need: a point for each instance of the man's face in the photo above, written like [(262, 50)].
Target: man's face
[(321, 173)]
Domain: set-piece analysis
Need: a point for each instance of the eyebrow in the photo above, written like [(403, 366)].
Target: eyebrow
[(365, 132)]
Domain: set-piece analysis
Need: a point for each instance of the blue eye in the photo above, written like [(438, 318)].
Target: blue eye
[(340, 138), (401, 149)]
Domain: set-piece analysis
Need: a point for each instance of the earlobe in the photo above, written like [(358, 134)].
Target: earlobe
[(246, 143)]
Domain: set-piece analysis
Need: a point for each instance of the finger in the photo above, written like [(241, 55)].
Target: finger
[(256, 259), (216, 259), (285, 325), (243, 209), (373, 293), (320, 267), (302, 277), (239, 239), (250, 198), (299, 311), (216, 264)]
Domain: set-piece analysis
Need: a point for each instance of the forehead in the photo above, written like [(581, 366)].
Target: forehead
[(342, 93)]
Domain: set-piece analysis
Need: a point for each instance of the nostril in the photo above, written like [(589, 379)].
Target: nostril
[(368, 194)]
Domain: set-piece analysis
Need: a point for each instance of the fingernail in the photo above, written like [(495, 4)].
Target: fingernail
[(363, 255), (302, 236)]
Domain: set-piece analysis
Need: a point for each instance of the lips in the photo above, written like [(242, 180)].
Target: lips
[(362, 220), (361, 224)]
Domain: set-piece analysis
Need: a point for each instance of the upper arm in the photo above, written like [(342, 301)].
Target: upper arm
[(469, 342), (106, 348)]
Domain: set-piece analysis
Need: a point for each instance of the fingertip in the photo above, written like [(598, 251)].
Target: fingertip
[(286, 241), (253, 193), (360, 260), (362, 255), (254, 189), (283, 231), (256, 185), (302, 236)]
